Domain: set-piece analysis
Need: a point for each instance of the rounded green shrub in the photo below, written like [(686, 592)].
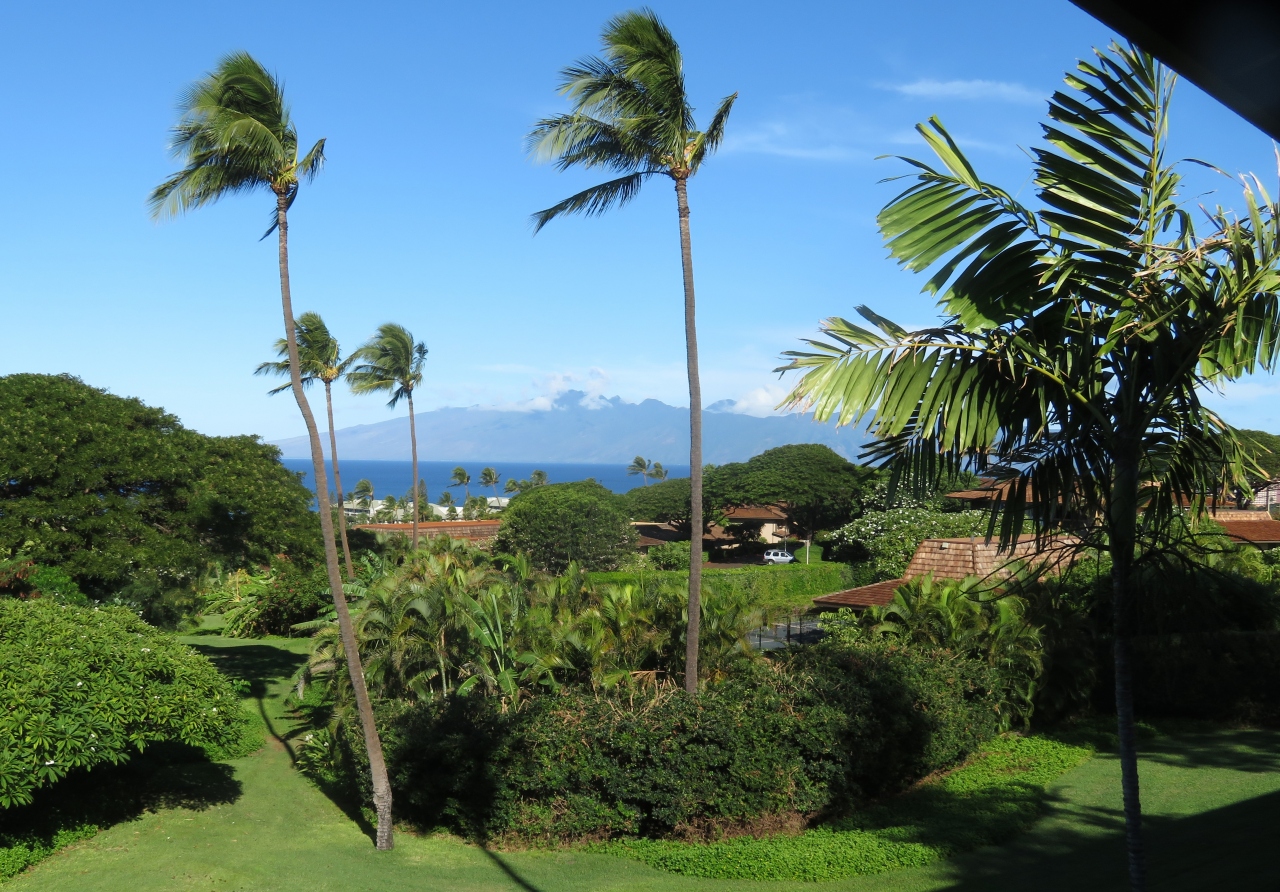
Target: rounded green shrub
[(820, 731), (80, 687), (564, 523)]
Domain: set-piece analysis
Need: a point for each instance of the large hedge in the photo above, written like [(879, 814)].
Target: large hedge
[(782, 586), (126, 501), (820, 732), (82, 686), (561, 523)]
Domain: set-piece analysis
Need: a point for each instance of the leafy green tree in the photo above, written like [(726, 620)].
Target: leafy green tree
[(1077, 339), (460, 477), (236, 135), (490, 477), (668, 502), (391, 362), (321, 360), (117, 494), (565, 523), (817, 488), (631, 115), (641, 468), (1264, 448)]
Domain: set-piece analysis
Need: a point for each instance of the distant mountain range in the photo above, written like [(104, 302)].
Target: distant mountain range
[(579, 428)]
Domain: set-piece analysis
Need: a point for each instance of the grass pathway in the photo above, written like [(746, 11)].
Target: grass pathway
[(1213, 802)]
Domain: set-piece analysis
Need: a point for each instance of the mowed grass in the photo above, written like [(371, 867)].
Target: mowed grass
[(1212, 801)]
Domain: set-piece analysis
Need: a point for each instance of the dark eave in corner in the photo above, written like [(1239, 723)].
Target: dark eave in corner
[(1230, 49)]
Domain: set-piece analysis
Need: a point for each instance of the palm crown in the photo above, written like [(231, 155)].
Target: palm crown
[(236, 135), (319, 355), (391, 361), (631, 115), (1073, 334)]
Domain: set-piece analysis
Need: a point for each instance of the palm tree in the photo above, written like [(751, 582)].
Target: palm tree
[(490, 477), (363, 493), (1077, 339), (631, 115), (639, 466), (460, 477), (658, 472), (236, 135), (321, 360), (391, 362)]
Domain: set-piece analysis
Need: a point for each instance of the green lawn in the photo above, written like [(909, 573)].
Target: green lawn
[(1213, 801)]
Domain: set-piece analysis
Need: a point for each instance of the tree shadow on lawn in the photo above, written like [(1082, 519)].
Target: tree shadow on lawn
[(1226, 848), (165, 776)]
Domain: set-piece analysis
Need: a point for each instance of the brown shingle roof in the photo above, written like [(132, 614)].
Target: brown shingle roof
[(875, 595), (767, 513), (478, 531), (1259, 531), (956, 559)]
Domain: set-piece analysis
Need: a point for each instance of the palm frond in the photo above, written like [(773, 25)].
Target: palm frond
[(595, 200)]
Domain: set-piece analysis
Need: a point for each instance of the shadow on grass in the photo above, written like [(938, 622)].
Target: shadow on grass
[(510, 871), (1226, 848), (165, 776)]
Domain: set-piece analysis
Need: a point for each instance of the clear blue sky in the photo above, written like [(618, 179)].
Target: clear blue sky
[(421, 215)]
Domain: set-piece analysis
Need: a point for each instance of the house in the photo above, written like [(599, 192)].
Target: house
[(957, 559), (769, 520)]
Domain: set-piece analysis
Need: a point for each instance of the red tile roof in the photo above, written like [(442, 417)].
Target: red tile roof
[(767, 513)]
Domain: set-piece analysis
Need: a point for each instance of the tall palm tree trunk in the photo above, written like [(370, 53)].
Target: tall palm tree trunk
[(373, 745), (695, 446), (413, 445), (1123, 523), (337, 480)]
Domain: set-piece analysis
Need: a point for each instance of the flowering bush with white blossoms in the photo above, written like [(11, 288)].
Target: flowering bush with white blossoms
[(886, 540), (82, 686)]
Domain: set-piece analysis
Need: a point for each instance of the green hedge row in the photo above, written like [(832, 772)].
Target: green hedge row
[(789, 586), (813, 733), (1228, 676)]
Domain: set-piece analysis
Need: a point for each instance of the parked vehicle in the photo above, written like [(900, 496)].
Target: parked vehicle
[(778, 557)]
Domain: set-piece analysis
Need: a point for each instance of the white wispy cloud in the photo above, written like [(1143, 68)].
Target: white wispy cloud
[(997, 91)]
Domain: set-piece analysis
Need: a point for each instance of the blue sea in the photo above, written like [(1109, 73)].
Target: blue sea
[(395, 478)]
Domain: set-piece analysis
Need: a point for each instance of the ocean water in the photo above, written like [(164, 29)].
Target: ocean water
[(395, 478)]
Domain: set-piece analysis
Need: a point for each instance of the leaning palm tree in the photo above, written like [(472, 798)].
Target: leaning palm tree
[(236, 135), (1077, 340), (631, 115), (460, 477), (391, 362), (640, 467), (658, 472), (321, 360), (363, 493), (490, 477)]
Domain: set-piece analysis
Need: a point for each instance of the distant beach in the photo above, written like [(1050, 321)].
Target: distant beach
[(395, 478)]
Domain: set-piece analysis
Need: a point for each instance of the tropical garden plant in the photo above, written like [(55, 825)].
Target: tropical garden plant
[(391, 362), (236, 134), (1077, 339), (321, 360), (631, 115)]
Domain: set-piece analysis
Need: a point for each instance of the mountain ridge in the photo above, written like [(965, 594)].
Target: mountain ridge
[(580, 428)]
